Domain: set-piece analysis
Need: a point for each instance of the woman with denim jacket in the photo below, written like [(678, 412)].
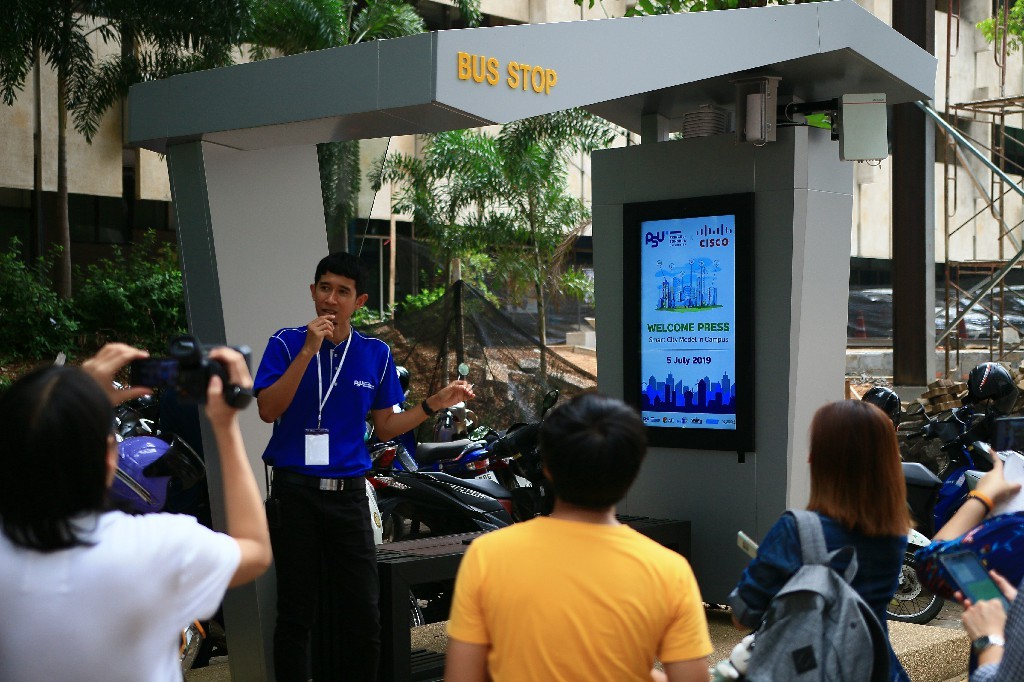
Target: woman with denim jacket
[(857, 489)]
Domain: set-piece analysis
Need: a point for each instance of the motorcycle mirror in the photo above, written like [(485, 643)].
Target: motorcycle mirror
[(915, 409), (550, 398), (463, 370)]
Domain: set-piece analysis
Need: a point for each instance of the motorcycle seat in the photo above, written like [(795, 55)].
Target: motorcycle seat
[(481, 485), (917, 474), (427, 453)]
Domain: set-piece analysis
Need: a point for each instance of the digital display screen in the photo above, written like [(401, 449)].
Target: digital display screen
[(688, 322), (688, 349)]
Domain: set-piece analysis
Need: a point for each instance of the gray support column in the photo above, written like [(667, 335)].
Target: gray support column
[(248, 250), (913, 217), (653, 128), (803, 200), (822, 202)]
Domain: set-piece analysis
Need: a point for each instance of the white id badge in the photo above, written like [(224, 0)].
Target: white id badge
[(318, 451)]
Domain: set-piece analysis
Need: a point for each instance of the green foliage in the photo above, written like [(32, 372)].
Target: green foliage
[(446, 189), (505, 197), (992, 28), (137, 300), (339, 188), (414, 302), (578, 285), (647, 8), (34, 322), (164, 38), (366, 317)]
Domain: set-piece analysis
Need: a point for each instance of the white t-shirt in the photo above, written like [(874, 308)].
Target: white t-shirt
[(113, 610)]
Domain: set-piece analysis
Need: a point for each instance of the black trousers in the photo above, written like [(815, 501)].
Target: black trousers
[(331, 529)]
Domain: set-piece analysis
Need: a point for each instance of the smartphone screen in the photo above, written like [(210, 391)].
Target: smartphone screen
[(1009, 434), (153, 372), (971, 577)]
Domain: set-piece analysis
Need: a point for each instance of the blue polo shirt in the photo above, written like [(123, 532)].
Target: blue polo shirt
[(368, 381)]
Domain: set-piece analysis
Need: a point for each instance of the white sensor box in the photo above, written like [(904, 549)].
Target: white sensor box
[(863, 127)]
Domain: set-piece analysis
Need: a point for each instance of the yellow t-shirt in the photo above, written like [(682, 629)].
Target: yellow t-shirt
[(565, 600)]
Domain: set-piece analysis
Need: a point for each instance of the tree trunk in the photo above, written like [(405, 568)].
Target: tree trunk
[(63, 270), (460, 323), (542, 323), (460, 326), (339, 184), (37, 241)]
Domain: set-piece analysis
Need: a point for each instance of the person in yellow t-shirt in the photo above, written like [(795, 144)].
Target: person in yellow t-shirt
[(577, 595)]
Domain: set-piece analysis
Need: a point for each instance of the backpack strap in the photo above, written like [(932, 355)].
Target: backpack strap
[(813, 549)]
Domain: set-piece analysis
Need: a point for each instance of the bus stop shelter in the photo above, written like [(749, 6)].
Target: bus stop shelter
[(240, 148)]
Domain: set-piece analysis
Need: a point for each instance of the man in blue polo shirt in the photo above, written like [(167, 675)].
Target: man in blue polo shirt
[(316, 384)]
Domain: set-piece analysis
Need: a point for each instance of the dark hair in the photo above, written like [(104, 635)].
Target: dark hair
[(344, 264), (592, 446), (856, 475), (55, 423)]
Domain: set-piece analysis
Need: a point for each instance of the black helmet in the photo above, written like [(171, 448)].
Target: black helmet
[(886, 400), (992, 381), (403, 377)]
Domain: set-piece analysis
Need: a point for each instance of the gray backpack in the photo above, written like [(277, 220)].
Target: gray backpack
[(817, 626)]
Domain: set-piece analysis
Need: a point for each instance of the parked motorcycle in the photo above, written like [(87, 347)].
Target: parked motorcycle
[(935, 497), (517, 465), (911, 603), (417, 503), (964, 434)]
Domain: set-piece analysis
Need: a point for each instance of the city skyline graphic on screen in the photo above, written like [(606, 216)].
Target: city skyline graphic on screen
[(688, 322)]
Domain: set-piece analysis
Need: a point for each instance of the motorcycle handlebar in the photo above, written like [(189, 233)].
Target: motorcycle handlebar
[(515, 443)]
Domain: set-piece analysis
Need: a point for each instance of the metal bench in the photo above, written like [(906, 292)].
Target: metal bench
[(402, 565)]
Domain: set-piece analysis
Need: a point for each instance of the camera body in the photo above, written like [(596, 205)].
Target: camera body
[(188, 370)]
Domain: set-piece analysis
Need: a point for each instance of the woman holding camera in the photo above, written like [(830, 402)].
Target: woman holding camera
[(94, 594)]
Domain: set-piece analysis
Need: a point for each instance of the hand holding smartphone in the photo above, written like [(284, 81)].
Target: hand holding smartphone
[(971, 577)]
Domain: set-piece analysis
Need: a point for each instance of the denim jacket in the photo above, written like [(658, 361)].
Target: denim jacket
[(879, 561)]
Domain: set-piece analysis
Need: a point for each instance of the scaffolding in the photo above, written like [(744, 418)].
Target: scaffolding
[(979, 285)]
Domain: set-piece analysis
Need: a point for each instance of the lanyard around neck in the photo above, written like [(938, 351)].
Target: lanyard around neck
[(320, 379)]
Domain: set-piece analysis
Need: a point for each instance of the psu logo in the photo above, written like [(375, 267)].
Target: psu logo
[(654, 238)]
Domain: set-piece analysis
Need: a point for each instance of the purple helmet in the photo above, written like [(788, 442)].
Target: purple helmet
[(145, 467)]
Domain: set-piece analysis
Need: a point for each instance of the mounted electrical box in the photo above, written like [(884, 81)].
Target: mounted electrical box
[(863, 127), (756, 101)]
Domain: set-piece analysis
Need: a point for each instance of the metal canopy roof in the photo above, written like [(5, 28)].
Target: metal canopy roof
[(620, 69)]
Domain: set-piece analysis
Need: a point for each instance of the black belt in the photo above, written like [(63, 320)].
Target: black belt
[(285, 476)]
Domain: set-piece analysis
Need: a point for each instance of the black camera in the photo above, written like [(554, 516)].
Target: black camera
[(188, 370)]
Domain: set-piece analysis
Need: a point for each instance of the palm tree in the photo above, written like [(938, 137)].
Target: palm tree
[(180, 35), (447, 191), (538, 215), (293, 26), (53, 31), (506, 196)]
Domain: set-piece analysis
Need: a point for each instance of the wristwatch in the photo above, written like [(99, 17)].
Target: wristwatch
[(985, 641)]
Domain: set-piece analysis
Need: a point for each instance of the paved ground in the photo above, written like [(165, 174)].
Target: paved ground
[(584, 359), (936, 652)]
